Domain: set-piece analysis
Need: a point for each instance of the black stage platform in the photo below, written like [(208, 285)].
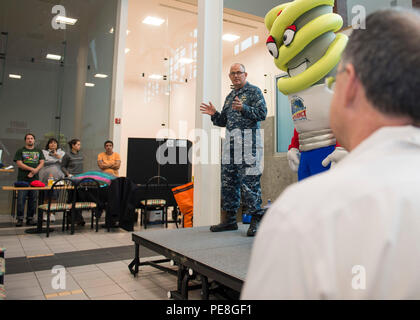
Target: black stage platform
[(202, 255)]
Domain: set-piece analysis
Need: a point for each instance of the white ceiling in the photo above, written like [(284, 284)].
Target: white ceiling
[(149, 45)]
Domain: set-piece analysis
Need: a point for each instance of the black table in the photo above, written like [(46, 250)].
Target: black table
[(41, 196)]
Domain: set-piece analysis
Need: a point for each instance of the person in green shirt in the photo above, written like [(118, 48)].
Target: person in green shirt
[(29, 160)]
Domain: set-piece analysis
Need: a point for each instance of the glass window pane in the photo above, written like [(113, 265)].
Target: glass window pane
[(61, 58), (284, 123)]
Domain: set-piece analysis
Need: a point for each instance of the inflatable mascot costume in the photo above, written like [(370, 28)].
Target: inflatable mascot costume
[(304, 44)]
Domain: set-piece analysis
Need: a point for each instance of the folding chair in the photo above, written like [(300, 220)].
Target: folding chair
[(156, 193), (59, 200), (87, 198)]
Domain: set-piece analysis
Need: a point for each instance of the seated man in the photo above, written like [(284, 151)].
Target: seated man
[(109, 161)]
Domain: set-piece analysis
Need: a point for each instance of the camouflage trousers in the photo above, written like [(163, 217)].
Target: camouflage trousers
[(236, 183)]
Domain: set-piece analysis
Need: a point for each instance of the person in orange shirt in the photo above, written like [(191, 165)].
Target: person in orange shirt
[(109, 161)]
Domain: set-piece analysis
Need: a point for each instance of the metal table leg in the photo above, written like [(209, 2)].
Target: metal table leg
[(184, 288), (136, 262), (39, 213), (14, 200), (204, 288), (178, 294)]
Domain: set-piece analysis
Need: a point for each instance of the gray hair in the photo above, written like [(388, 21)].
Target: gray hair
[(386, 57), (242, 66)]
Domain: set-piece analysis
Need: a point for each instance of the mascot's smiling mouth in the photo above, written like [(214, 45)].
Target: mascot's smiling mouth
[(293, 72)]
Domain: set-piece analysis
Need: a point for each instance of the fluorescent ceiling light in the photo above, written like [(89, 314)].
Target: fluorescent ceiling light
[(15, 76), (53, 57), (246, 44), (87, 84), (186, 60), (230, 37), (66, 20), (99, 75), (155, 76), (112, 31), (153, 21), (127, 50)]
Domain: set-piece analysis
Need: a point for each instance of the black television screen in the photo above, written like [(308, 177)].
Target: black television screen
[(149, 157)]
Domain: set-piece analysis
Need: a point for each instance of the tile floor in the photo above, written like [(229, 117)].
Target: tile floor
[(96, 281)]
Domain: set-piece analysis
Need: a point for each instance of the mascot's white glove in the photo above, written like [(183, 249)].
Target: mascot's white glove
[(293, 156), (334, 157)]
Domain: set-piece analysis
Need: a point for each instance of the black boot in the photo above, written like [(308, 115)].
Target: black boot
[(228, 225), (253, 227)]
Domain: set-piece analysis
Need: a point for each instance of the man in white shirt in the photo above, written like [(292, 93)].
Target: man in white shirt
[(354, 232)]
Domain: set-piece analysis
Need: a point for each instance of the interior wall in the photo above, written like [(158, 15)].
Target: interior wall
[(182, 105), (143, 114), (277, 174), (140, 119), (143, 119)]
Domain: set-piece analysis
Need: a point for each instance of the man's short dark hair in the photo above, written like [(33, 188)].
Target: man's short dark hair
[(29, 134), (108, 141), (386, 57)]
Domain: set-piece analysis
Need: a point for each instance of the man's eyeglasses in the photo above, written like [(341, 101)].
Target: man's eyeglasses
[(330, 82), (232, 74)]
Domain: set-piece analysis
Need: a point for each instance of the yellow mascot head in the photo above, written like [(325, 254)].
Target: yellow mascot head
[(303, 42)]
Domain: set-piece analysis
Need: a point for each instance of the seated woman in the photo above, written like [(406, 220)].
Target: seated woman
[(52, 166)]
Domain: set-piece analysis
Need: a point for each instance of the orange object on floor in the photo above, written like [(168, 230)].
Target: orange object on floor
[(184, 196)]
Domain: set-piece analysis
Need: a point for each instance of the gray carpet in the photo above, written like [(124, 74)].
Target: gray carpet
[(228, 252)]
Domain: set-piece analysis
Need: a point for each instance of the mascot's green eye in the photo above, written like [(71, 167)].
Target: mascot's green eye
[(272, 47), (289, 35)]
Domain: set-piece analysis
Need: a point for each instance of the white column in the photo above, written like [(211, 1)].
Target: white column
[(118, 74), (80, 93), (209, 70)]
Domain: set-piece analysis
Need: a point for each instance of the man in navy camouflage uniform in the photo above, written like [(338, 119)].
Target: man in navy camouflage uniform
[(242, 151)]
